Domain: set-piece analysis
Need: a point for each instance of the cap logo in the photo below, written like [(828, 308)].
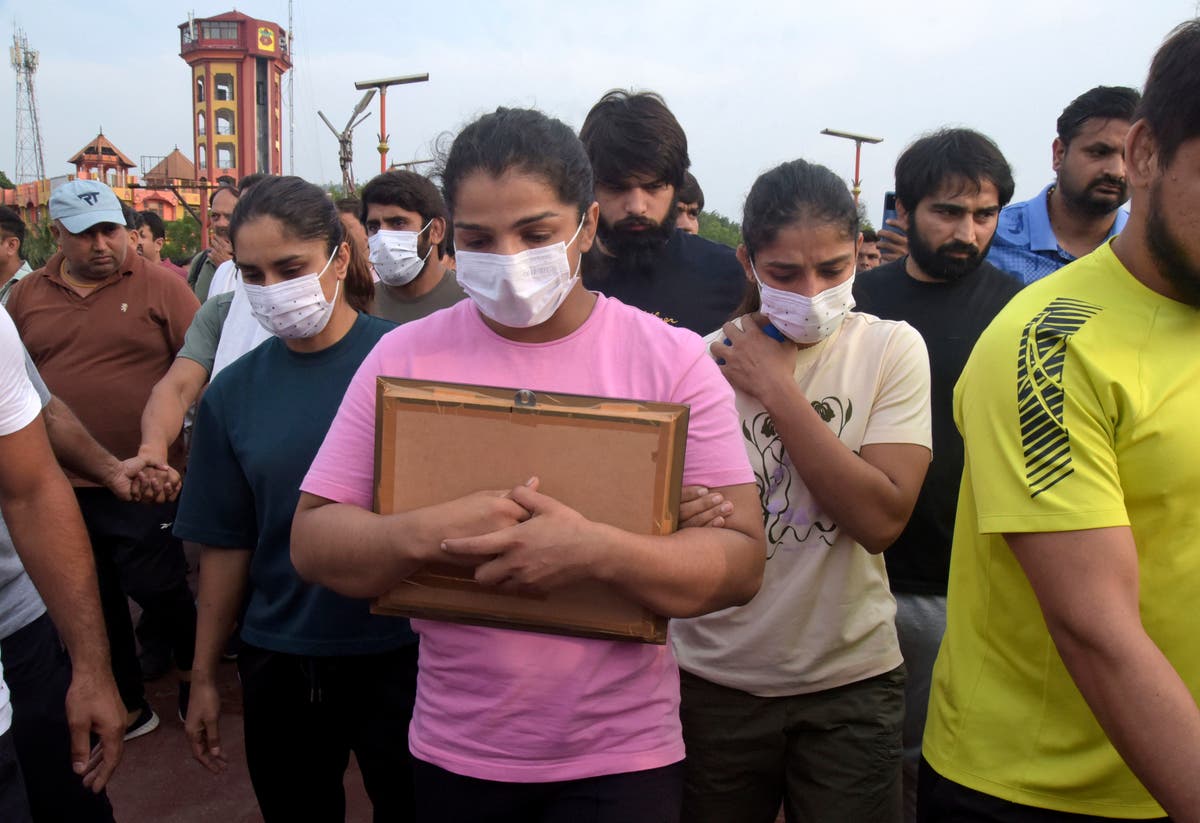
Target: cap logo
[(90, 197)]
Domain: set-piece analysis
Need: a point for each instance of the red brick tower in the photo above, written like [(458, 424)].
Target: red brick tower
[(237, 66)]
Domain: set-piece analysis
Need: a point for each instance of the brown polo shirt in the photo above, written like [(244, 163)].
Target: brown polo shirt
[(103, 353)]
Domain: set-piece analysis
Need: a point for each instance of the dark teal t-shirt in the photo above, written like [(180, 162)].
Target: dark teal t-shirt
[(259, 427)]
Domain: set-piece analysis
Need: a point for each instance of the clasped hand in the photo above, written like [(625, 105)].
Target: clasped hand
[(553, 546), (141, 481), (155, 484)]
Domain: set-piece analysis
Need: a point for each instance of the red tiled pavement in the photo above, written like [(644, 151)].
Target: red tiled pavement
[(159, 782)]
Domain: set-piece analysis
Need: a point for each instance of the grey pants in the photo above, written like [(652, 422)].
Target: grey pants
[(920, 623)]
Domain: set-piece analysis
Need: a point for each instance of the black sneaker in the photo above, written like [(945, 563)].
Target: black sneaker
[(185, 694), (144, 723), (232, 646)]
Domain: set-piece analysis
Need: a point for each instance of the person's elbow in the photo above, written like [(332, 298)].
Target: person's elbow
[(744, 552), (180, 386), (1095, 645), (304, 549), (311, 568), (743, 574), (882, 534), (750, 579), (31, 488), (887, 520), (54, 413), (314, 526), (184, 387)]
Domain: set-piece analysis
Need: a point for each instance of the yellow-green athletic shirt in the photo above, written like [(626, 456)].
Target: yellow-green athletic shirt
[(1079, 409)]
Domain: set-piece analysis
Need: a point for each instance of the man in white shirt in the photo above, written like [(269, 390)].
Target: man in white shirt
[(49, 534)]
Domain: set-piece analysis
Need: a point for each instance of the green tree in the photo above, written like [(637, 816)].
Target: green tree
[(39, 244), (5, 183), (720, 229), (864, 220), (183, 240)]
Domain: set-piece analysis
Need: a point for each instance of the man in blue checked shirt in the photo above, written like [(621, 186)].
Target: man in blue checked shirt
[(1082, 208)]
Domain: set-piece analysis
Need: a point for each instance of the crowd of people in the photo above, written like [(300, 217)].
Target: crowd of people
[(936, 543)]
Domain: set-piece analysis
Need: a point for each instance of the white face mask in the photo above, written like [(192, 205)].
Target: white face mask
[(294, 308), (806, 319), (394, 255), (519, 290)]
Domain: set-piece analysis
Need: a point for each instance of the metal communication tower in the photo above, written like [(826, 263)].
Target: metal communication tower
[(30, 165)]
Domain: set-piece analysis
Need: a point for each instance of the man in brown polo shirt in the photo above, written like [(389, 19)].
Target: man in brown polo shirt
[(102, 325)]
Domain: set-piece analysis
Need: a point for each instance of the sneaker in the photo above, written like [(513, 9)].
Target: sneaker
[(185, 694), (144, 723)]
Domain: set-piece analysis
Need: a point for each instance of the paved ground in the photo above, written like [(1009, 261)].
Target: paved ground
[(159, 782)]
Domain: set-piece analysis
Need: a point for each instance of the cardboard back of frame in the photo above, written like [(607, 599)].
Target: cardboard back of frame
[(618, 462)]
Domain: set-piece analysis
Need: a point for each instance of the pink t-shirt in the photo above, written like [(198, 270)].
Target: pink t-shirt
[(518, 706)]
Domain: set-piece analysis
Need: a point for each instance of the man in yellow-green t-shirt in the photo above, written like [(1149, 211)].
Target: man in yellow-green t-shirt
[(1068, 679)]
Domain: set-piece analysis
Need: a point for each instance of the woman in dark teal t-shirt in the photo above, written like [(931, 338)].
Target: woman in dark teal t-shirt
[(321, 676)]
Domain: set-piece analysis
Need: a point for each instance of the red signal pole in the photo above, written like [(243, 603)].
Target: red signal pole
[(383, 85), (383, 132), (204, 195)]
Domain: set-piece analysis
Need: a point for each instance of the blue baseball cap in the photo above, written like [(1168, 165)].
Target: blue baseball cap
[(81, 204)]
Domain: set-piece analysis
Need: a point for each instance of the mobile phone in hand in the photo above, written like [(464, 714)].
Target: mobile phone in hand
[(889, 213)]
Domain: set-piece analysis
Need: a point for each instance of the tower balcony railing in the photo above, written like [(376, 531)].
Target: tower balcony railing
[(202, 44), (220, 36)]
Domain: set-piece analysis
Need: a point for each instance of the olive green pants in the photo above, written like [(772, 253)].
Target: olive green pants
[(828, 756)]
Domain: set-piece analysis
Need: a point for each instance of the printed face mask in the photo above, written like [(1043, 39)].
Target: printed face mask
[(294, 308), (519, 290), (803, 319), (394, 255)]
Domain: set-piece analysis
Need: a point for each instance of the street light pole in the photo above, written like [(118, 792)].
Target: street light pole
[(858, 139), (383, 132), (383, 85)]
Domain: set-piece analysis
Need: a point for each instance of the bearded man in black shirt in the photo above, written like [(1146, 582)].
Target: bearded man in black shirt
[(950, 187), (639, 156)]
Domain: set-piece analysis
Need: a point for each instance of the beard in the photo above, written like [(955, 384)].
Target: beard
[(940, 263), (637, 249), (1173, 262), (1091, 202)]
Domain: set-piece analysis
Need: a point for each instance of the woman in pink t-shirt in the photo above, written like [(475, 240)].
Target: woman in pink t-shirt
[(515, 725)]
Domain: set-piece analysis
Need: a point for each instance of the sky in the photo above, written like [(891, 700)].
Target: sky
[(753, 83)]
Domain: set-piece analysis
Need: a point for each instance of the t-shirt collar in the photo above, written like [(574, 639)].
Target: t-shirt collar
[(477, 318), (1041, 233), (54, 270)]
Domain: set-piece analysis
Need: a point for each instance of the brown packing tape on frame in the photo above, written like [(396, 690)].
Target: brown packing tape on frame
[(615, 461)]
